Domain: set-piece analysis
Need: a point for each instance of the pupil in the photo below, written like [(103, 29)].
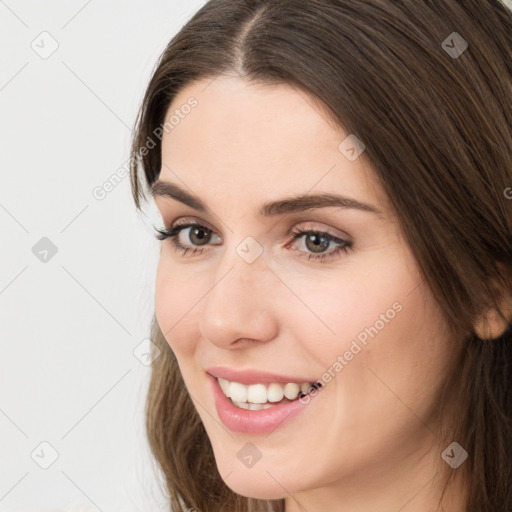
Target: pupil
[(202, 238), (315, 239)]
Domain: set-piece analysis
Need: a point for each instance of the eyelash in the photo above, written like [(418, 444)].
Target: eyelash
[(173, 233)]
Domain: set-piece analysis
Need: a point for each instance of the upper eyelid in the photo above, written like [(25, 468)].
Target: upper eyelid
[(187, 222), (191, 224), (296, 232), (342, 234)]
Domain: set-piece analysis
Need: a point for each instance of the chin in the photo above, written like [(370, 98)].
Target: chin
[(260, 482), (261, 486)]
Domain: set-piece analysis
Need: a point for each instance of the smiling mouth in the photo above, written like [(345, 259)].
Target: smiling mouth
[(255, 397)]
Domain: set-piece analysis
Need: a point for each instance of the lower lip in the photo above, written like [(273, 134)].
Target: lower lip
[(254, 422)]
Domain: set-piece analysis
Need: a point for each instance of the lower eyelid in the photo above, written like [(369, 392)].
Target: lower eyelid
[(342, 245)]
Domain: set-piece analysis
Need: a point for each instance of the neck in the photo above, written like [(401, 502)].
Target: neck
[(406, 488)]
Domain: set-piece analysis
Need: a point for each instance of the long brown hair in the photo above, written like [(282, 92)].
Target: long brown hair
[(436, 119)]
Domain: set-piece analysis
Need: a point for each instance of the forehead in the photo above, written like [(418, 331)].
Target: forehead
[(261, 141)]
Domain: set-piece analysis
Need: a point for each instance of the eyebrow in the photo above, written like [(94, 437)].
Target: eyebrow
[(271, 208)]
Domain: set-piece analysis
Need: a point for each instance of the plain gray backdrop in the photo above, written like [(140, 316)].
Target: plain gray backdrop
[(76, 271)]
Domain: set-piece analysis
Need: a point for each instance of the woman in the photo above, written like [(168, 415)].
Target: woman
[(333, 292)]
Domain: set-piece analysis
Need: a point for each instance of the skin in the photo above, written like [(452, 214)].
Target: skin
[(367, 441)]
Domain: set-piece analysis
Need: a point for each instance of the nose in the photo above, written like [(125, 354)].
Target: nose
[(240, 307)]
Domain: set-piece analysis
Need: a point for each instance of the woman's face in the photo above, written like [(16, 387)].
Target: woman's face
[(252, 298)]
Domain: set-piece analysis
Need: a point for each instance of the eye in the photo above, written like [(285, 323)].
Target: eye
[(199, 235), (316, 242)]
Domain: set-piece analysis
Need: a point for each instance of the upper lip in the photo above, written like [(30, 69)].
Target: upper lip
[(250, 376)]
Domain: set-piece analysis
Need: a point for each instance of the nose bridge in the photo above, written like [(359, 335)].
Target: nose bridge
[(242, 269), (238, 305)]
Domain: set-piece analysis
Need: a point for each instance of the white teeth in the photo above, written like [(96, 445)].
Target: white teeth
[(252, 407), (238, 392), (275, 392), (291, 390), (256, 393), (260, 394), (224, 384), (242, 405), (305, 387)]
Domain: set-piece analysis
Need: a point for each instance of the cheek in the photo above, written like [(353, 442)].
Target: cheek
[(378, 318), (175, 299), (357, 305), (394, 357)]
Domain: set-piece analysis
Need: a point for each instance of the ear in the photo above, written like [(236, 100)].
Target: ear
[(493, 323)]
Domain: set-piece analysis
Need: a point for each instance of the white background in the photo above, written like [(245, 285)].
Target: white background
[(68, 326)]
